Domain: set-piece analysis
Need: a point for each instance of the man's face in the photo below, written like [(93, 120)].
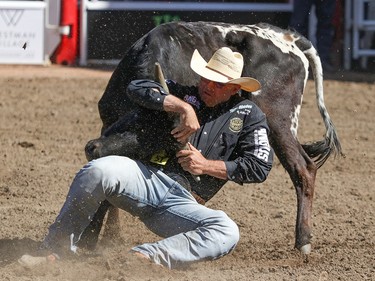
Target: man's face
[(213, 93)]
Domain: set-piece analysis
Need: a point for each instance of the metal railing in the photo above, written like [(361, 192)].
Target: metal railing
[(359, 31)]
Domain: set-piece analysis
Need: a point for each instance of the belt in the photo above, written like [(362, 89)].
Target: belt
[(199, 199)]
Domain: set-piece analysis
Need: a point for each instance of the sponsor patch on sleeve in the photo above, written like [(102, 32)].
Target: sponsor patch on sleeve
[(160, 158), (262, 146)]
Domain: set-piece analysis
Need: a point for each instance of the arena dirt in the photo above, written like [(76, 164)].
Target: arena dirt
[(49, 113)]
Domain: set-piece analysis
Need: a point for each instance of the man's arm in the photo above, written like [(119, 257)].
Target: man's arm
[(254, 157), (149, 94)]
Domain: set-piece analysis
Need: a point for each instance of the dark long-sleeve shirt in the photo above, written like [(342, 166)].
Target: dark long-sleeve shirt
[(235, 132)]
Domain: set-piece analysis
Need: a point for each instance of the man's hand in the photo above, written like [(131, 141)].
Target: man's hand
[(191, 160), (187, 126), (188, 119)]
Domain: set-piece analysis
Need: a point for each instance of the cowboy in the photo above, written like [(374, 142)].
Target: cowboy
[(227, 140)]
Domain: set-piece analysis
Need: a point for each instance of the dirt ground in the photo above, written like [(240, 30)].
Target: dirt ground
[(49, 113)]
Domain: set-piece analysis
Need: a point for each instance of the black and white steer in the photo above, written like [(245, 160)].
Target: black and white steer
[(278, 58)]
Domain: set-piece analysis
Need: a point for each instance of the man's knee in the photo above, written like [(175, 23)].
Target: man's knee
[(229, 229), (111, 174), (96, 176)]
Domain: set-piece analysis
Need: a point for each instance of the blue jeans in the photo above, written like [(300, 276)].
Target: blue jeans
[(192, 232)]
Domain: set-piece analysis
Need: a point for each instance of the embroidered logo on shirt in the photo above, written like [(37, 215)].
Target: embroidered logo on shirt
[(192, 100), (235, 124), (244, 109)]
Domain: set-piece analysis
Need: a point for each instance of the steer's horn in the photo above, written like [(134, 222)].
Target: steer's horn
[(159, 77)]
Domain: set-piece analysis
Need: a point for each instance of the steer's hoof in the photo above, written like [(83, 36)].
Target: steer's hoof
[(306, 249)]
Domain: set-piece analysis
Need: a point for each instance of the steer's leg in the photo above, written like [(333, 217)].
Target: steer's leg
[(90, 236), (281, 100), (112, 229), (302, 171)]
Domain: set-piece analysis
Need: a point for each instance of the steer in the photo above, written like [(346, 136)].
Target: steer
[(278, 58)]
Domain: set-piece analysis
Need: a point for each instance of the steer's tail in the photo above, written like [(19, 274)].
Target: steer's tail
[(320, 150)]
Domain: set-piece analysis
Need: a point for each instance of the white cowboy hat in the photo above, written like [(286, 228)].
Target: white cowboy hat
[(225, 66)]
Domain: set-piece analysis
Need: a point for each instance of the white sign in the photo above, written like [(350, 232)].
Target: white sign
[(21, 35)]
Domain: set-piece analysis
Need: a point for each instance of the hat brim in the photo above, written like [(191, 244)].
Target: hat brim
[(198, 65)]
